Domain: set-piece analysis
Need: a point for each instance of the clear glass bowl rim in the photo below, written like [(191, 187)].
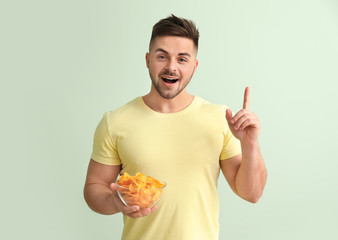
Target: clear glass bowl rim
[(154, 189)]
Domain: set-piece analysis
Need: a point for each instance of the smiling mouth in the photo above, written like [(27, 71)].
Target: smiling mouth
[(169, 80)]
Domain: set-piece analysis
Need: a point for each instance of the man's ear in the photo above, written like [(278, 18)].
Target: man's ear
[(147, 59), (196, 64)]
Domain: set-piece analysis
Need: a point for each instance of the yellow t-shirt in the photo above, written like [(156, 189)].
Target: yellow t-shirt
[(183, 149)]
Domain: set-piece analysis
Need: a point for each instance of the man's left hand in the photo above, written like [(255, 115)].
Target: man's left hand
[(245, 125)]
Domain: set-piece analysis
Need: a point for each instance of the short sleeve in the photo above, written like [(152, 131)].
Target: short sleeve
[(104, 147)]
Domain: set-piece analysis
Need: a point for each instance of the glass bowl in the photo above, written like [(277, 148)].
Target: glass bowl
[(140, 195)]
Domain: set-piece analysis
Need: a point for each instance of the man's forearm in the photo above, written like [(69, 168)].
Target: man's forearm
[(251, 175), (99, 198)]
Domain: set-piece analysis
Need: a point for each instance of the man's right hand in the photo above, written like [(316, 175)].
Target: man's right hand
[(100, 192), (130, 211)]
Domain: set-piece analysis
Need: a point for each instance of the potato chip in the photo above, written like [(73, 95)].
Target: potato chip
[(140, 189)]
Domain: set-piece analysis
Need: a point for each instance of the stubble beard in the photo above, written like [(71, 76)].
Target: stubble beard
[(170, 94)]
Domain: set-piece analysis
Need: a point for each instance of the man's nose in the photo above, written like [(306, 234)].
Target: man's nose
[(171, 65)]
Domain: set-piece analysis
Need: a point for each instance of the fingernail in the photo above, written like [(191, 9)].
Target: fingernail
[(148, 211)]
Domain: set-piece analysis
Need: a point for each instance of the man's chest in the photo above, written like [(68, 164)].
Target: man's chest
[(164, 144)]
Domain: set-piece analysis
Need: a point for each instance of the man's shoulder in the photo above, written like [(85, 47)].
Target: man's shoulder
[(210, 106)]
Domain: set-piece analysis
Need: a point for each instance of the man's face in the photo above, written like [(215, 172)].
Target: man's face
[(172, 63)]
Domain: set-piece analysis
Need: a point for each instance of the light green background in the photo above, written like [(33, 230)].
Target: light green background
[(64, 63)]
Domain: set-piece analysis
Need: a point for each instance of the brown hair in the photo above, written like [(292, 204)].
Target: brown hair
[(175, 26)]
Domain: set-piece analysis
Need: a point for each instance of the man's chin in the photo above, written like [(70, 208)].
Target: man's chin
[(168, 94)]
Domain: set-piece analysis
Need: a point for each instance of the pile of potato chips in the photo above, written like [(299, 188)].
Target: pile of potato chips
[(140, 190)]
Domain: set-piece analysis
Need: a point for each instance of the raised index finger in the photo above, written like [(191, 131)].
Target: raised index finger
[(246, 103)]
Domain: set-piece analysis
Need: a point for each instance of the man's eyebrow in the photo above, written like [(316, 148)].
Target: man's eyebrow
[(161, 50), (184, 54), (180, 54)]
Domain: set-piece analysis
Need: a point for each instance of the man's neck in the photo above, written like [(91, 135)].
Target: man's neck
[(163, 105)]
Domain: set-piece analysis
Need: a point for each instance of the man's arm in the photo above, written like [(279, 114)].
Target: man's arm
[(97, 192), (245, 173), (100, 192)]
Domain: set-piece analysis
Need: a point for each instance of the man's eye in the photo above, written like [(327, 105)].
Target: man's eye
[(183, 60), (161, 57)]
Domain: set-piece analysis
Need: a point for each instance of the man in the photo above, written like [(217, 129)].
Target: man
[(180, 138)]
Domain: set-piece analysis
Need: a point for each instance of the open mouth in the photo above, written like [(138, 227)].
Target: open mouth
[(169, 80)]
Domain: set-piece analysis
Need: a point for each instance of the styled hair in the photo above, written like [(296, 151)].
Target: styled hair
[(175, 26)]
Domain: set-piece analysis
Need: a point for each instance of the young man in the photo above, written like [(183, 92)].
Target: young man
[(180, 138)]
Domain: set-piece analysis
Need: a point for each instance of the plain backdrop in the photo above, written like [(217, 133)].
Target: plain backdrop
[(64, 63)]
